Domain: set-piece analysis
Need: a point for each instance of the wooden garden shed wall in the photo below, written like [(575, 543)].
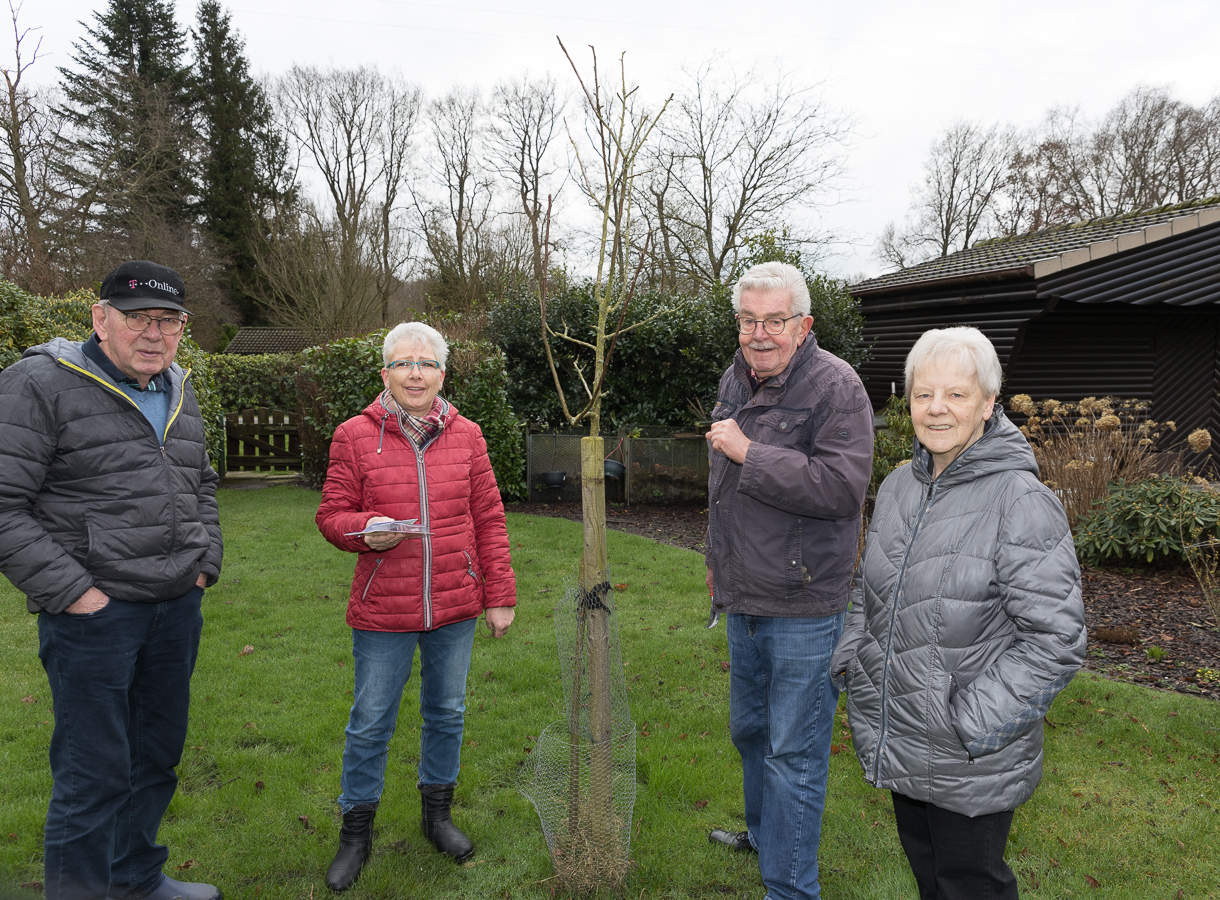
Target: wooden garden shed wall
[(1141, 323)]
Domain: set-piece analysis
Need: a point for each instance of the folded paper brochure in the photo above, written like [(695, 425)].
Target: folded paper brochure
[(409, 527)]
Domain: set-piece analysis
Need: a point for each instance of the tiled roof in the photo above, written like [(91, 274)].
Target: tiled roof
[(252, 340), (1050, 250)]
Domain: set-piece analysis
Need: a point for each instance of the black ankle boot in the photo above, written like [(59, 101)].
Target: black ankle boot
[(438, 827), (355, 847)]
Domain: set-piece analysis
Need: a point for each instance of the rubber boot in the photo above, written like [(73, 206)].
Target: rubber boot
[(438, 826), (355, 847)]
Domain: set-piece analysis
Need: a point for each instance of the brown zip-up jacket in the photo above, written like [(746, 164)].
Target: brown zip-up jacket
[(783, 527)]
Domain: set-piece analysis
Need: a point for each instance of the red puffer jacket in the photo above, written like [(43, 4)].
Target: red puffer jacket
[(421, 584)]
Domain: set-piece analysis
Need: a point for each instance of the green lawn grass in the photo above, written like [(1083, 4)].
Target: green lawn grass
[(1130, 797)]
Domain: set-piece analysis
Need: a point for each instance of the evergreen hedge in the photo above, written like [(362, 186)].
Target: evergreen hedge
[(658, 370), (248, 382)]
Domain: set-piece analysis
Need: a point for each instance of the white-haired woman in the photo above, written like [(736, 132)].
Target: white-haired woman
[(409, 455), (966, 621)]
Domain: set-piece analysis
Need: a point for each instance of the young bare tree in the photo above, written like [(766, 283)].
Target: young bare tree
[(590, 846), (356, 127), (737, 154), (525, 119)]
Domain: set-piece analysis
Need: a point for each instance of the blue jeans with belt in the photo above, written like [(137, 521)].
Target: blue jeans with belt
[(781, 718), (120, 681), (383, 661)]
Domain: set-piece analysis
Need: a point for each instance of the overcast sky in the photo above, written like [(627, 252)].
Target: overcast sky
[(903, 70)]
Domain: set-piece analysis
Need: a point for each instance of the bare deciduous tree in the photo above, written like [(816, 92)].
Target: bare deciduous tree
[(30, 131), (967, 170), (525, 119), (455, 229), (356, 127), (1148, 151), (317, 281), (735, 157)]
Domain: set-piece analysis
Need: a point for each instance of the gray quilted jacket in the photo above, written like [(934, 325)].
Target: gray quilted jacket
[(89, 497), (966, 621)]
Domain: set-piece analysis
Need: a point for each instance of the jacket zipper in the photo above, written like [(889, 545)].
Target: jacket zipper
[(368, 584), (470, 567), (714, 490), (422, 475), (889, 639), (173, 417)]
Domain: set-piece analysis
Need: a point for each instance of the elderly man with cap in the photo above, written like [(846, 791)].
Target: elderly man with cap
[(109, 526)]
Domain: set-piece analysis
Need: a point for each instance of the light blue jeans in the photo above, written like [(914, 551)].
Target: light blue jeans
[(781, 718), (383, 666)]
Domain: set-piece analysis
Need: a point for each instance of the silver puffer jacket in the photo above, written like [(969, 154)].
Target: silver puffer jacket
[(966, 621)]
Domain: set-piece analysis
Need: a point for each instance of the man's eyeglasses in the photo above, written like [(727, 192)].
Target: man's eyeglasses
[(167, 325), (424, 365), (774, 325)]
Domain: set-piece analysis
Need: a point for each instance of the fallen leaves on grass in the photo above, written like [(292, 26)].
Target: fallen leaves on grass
[(246, 650), (189, 864), (1093, 882), (29, 698)]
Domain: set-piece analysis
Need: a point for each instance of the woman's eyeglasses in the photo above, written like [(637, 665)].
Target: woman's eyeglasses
[(426, 365)]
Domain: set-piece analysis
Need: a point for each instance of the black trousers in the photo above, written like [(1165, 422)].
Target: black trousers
[(955, 857)]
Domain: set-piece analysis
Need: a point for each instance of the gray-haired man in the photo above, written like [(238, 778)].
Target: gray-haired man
[(109, 526), (791, 450)]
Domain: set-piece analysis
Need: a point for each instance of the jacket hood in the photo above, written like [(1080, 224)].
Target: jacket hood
[(1002, 448), (70, 352)]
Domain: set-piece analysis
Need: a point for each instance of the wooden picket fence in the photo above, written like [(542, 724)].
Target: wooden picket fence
[(262, 440)]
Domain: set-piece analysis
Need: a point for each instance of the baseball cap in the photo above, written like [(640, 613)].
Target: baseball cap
[(141, 284)]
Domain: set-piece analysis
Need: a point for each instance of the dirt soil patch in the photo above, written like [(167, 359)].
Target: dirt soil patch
[(1150, 627)]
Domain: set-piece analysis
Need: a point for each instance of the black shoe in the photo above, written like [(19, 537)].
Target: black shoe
[(355, 847), (734, 840), (438, 826)]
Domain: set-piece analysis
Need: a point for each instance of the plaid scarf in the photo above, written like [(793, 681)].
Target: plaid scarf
[(419, 430)]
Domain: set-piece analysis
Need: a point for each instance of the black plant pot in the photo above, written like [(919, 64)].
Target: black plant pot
[(554, 479), (615, 469)]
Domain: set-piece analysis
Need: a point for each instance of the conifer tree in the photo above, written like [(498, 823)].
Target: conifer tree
[(129, 106), (242, 172)]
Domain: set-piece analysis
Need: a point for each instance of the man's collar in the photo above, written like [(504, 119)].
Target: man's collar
[(92, 348)]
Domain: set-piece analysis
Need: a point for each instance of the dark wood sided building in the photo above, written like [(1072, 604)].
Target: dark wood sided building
[(254, 339), (1126, 306)]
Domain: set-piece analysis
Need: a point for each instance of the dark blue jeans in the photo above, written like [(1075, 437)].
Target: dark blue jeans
[(383, 665), (781, 717), (120, 681)]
